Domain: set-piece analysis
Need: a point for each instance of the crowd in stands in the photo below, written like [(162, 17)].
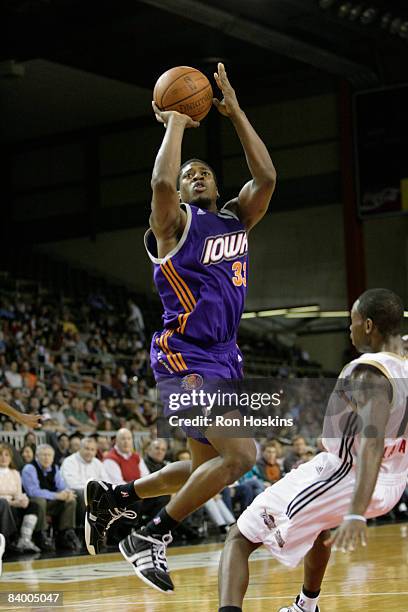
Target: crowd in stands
[(85, 369)]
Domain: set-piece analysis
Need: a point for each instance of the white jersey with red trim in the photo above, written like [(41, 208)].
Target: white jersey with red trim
[(341, 422)]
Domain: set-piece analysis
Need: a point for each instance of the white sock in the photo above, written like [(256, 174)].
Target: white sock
[(27, 527), (308, 604)]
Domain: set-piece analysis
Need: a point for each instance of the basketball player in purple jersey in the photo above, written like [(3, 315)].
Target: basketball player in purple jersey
[(200, 269)]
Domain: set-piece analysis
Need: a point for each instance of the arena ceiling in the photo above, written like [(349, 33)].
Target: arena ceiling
[(73, 49)]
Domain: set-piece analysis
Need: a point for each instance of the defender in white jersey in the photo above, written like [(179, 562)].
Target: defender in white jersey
[(362, 475)]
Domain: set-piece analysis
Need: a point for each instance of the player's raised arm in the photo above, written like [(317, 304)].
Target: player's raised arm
[(372, 393), (166, 216), (29, 420), (254, 197)]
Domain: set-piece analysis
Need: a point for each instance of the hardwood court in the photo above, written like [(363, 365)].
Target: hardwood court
[(373, 579)]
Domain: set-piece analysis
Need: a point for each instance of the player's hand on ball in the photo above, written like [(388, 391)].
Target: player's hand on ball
[(165, 116), (228, 106), (348, 536)]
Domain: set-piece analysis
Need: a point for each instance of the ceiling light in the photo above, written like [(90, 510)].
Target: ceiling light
[(330, 314), (404, 30), (386, 20), (313, 308), (369, 15), (249, 315), (395, 25), (344, 9), (355, 12), (302, 315), (272, 313)]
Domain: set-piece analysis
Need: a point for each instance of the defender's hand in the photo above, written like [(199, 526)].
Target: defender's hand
[(30, 420), (228, 106), (165, 116), (349, 535)]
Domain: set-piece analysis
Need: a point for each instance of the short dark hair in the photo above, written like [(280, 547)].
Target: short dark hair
[(195, 160), (385, 308)]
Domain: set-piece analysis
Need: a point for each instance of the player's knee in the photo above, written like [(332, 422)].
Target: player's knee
[(234, 535), (237, 466)]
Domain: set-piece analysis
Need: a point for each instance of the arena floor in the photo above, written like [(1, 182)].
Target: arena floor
[(373, 579)]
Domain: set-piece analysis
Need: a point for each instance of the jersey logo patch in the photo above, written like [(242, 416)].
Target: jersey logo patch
[(192, 381), (224, 247), (201, 212)]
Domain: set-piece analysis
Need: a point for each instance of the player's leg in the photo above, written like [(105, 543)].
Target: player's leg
[(105, 503), (233, 573), (315, 564), (235, 456), (146, 549)]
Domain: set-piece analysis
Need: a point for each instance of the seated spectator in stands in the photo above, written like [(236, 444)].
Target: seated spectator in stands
[(295, 457), (74, 443), (61, 448), (268, 466), (147, 414), (17, 401), (135, 318), (77, 418), (253, 480), (30, 439), (12, 376), (78, 468), (154, 459), (28, 375), (122, 462), (45, 486), (8, 425), (103, 446), (27, 454), (90, 411), (103, 412), (18, 515), (57, 415)]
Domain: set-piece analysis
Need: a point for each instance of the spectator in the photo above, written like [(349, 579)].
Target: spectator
[(27, 454), (44, 485), (103, 446), (135, 316), (74, 443), (122, 463), (13, 378), (154, 459), (61, 448), (296, 456), (28, 376), (77, 417), (78, 468), (268, 466), (17, 513)]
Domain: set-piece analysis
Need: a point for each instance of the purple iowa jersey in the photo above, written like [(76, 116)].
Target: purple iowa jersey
[(202, 281)]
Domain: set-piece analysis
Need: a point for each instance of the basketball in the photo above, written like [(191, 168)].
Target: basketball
[(186, 90)]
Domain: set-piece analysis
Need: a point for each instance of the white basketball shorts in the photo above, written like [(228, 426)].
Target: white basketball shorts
[(288, 516)]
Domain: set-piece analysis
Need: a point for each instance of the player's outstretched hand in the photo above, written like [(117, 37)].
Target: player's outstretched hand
[(348, 536), (30, 420), (228, 106), (164, 117)]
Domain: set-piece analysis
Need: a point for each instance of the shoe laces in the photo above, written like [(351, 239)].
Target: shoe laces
[(118, 514), (159, 551)]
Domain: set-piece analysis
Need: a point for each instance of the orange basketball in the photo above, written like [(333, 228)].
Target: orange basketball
[(186, 90)]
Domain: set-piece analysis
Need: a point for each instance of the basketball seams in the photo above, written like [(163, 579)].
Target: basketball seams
[(175, 81), (207, 86)]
